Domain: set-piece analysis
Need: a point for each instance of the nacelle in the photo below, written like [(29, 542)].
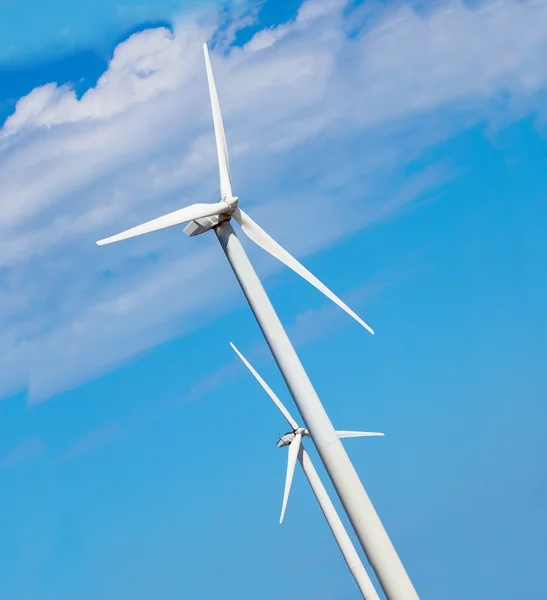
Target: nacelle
[(286, 440)]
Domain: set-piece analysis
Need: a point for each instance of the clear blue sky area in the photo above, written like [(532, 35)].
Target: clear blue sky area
[(158, 476)]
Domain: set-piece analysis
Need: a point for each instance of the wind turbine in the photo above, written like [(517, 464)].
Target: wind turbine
[(217, 216), (293, 439)]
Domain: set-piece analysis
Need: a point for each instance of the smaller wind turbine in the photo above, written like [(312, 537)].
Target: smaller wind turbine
[(293, 439)]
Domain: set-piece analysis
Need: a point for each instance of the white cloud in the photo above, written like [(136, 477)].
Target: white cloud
[(142, 68), (22, 452), (312, 115)]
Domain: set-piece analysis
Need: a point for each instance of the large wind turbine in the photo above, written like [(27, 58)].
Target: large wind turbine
[(293, 439), (217, 216)]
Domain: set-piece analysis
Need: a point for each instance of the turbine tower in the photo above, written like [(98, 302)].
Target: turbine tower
[(217, 216), (293, 439)]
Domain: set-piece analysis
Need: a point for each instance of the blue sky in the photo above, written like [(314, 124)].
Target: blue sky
[(400, 153)]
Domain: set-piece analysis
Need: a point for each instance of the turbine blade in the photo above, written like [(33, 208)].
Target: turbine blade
[(266, 242), (177, 217), (267, 389), (222, 150), (350, 434), (294, 449)]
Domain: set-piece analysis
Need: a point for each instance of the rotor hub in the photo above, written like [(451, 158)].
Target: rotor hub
[(200, 226), (232, 203)]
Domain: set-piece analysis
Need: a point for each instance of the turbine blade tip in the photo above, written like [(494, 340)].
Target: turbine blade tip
[(267, 243)]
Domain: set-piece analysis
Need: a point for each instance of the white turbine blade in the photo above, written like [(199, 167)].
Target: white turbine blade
[(177, 217), (294, 448), (267, 389), (266, 242), (222, 150), (350, 434)]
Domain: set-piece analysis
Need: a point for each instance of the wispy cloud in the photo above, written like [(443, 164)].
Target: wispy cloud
[(312, 325), (93, 441), (22, 452), (314, 117)]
